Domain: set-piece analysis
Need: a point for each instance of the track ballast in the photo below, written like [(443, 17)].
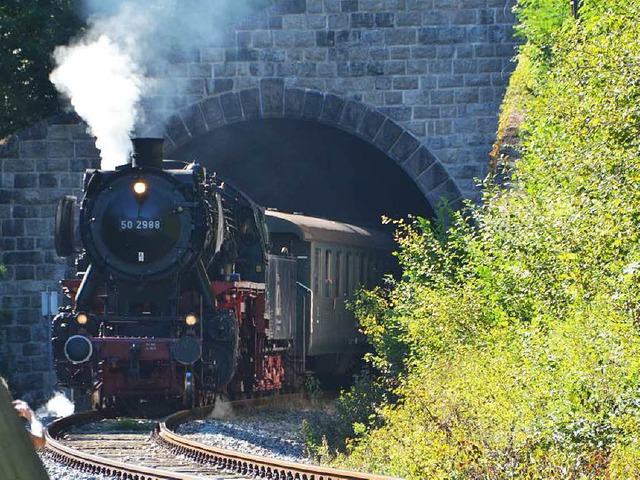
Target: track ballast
[(93, 443)]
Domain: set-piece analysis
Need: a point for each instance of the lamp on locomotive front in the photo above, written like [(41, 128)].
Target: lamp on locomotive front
[(139, 187), (191, 320)]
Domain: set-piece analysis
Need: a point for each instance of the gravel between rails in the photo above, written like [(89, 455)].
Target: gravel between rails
[(57, 471), (268, 432), (275, 432)]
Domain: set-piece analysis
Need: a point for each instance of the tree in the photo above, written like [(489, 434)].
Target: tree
[(29, 32)]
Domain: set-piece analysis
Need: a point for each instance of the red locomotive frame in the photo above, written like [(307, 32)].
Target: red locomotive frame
[(112, 374)]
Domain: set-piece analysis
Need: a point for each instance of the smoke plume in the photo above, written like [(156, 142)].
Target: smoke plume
[(104, 88), (108, 73)]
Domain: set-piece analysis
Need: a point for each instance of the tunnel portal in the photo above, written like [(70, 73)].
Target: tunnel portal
[(308, 167)]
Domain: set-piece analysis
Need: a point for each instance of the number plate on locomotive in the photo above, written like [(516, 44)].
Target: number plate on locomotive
[(140, 225)]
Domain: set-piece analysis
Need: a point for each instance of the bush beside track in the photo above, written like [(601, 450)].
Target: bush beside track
[(511, 347)]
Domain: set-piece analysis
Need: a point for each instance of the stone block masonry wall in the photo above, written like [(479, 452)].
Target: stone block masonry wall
[(422, 80), (438, 68), (37, 167)]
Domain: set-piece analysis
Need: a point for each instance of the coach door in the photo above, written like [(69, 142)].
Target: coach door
[(334, 276)]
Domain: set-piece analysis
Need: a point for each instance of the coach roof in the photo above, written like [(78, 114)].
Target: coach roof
[(313, 229)]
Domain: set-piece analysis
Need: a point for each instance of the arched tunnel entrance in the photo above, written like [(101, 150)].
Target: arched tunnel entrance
[(308, 167)]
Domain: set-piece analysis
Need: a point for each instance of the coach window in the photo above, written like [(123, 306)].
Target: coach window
[(337, 290), (373, 277), (367, 271), (364, 274), (328, 273), (364, 280), (316, 271), (347, 275), (374, 271)]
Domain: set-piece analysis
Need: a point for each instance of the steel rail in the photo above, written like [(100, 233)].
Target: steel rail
[(245, 463), (93, 463), (242, 463)]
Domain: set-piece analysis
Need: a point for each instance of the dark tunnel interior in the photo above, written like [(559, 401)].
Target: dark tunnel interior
[(308, 167)]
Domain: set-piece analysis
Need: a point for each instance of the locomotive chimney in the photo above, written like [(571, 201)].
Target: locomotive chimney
[(147, 152)]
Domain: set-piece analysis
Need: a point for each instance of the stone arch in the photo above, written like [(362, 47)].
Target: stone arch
[(272, 99)]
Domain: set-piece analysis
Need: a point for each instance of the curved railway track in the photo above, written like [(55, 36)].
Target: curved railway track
[(159, 453)]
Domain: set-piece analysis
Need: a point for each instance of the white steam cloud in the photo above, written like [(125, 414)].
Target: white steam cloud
[(104, 87), (105, 74), (222, 410), (57, 406)]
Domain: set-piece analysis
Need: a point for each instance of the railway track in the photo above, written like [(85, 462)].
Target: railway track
[(153, 450)]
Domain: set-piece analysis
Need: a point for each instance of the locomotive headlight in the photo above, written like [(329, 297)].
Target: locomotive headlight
[(82, 319), (191, 320), (139, 187)]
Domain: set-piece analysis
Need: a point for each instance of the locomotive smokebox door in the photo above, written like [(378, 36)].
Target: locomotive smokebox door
[(144, 223)]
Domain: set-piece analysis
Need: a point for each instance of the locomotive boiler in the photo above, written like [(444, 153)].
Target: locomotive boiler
[(175, 292)]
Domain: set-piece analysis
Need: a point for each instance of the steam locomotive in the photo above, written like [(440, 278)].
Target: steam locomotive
[(184, 288)]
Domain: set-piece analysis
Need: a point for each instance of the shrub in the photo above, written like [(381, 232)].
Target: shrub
[(510, 346)]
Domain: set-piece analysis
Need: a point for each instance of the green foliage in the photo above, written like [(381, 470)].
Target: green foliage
[(540, 23), (29, 31), (129, 424), (511, 346), (356, 409), (312, 387)]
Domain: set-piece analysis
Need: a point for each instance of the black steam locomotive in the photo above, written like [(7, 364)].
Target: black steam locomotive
[(176, 292)]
